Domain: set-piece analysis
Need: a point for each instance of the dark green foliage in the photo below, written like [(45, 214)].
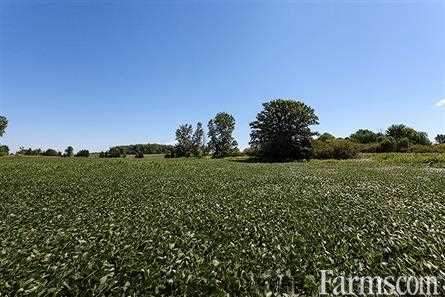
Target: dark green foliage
[(29, 152), (326, 137), (114, 152), (364, 136), (335, 149), (221, 142), (83, 153), (440, 139), (148, 148), (399, 132), (387, 144), (69, 152), (184, 139), (282, 130), (402, 144), (3, 125), (139, 155), (51, 153), (198, 145), (4, 150)]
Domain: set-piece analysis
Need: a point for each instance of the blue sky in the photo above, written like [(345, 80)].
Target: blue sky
[(98, 73)]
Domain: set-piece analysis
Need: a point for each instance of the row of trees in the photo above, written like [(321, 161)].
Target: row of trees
[(281, 131), (193, 143), (69, 152), (146, 148), (397, 138)]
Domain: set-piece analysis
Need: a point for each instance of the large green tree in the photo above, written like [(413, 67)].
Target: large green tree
[(282, 130), (221, 141), (400, 131), (3, 125)]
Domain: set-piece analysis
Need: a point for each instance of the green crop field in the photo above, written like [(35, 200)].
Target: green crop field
[(177, 227)]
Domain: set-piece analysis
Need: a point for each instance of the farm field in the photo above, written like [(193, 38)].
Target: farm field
[(178, 227)]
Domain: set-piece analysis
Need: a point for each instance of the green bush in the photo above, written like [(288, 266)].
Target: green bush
[(51, 153), (335, 149), (83, 153), (4, 150), (437, 148), (139, 155)]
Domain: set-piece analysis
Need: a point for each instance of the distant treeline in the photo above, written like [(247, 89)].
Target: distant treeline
[(281, 131), (148, 148), (69, 152)]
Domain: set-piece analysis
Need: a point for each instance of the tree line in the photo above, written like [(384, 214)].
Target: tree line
[(281, 131), (69, 152)]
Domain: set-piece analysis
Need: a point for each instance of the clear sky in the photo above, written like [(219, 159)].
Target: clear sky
[(98, 73)]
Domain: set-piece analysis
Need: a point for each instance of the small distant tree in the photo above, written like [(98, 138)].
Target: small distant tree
[(83, 153), (198, 141), (221, 141), (69, 152), (364, 136), (184, 138), (326, 137), (139, 154), (440, 139), (3, 125), (4, 150), (51, 153), (282, 130)]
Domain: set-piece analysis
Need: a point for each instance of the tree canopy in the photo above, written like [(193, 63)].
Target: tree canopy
[(221, 141), (440, 138), (3, 125), (282, 130), (364, 136)]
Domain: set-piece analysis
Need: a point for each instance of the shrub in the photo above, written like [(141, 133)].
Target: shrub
[(29, 152), (83, 153), (370, 148), (440, 139), (387, 144), (326, 137), (4, 150), (437, 148), (403, 145), (364, 136), (335, 149), (50, 153), (139, 155)]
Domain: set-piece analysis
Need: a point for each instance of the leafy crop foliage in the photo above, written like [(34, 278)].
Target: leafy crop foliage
[(192, 227)]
